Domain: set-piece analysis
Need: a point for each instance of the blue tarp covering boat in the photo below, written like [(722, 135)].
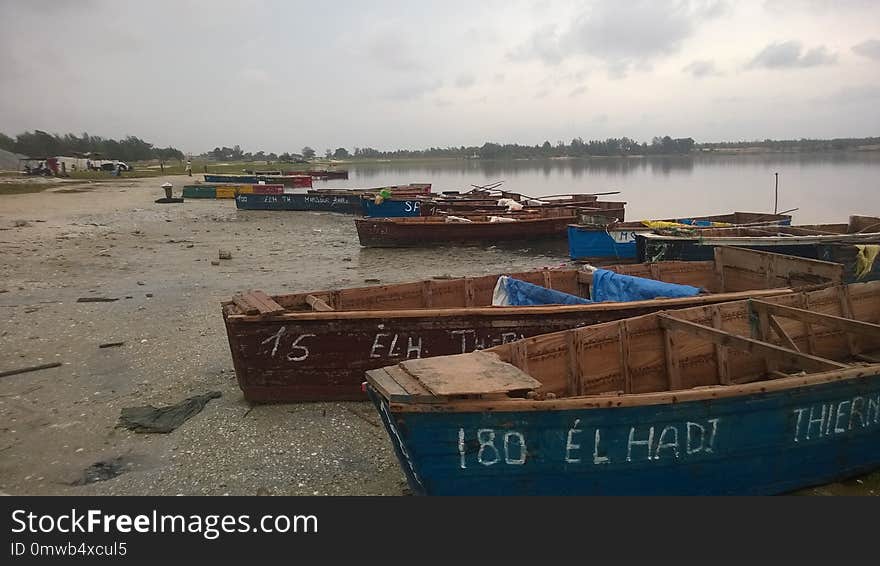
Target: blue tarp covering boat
[(607, 286)]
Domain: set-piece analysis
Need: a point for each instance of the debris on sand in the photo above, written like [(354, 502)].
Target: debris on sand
[(97, 299), (164, 419), (110, 344), (102, 471), (225, 254), (21, 223), (29, 369)]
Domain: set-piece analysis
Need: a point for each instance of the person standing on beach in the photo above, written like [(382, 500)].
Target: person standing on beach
[(189, 168)]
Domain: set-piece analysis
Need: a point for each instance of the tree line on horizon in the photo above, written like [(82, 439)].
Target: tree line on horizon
[(42, 144), (131, 148)]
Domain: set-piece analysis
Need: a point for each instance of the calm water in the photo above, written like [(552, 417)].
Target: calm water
[(824, 187)]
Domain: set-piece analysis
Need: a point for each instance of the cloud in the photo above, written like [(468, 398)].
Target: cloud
[(541, 94), (790, 55), (578, 91), (393, 52), (701, 69), (852, 95), (624, 35), (543, 44), (412, 91), (869, 48), (465, 80)]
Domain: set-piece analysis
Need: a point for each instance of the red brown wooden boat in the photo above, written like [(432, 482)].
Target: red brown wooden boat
[(316, 345)]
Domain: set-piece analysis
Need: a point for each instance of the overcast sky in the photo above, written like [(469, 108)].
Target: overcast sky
[(278, 75)]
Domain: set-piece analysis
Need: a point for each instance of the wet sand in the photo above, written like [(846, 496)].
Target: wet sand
[(112, 240)]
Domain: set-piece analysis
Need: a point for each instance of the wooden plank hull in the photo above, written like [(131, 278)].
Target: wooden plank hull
[(619, 241), (346, 204), (763, 443), (660, 249), (392, 208), (296, 181), (387, 233), (288, 359)]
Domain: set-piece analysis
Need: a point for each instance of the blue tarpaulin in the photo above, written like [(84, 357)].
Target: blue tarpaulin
[(607, 286), (610, 286)]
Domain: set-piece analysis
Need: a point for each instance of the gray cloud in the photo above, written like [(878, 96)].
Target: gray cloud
[(869, 48), (412, 91), (543, 44), (393, 52), (790, 54), (465, 80), (578, 91), (852, 95), (701, 69), (623, 35)]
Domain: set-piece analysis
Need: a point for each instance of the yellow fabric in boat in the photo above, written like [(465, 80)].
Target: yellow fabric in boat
[(658, 224), (865, 259)]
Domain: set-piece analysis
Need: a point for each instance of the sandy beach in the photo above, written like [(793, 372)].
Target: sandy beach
[(111, 240)]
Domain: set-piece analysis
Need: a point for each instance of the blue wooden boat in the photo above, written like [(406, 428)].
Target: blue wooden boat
[(747, 397), (392, 208), (854, 244), (344, 202), (615, 241)]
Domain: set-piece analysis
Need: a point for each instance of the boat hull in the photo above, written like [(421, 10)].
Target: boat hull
[(286, 359), (763, 443), (591, 243), (660, 249), (297, 181), (392, 208), (382, 233), (347, 204)]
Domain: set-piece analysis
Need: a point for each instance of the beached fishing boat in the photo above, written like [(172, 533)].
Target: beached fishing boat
[(615, 241), (294, 181), (855, 244), (347, 201), (478, 229), (321, 174), (316, 345), (749, 397)]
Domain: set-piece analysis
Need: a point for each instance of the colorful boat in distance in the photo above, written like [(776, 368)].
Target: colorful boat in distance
[(321, 174), (616, 241), (295, 181), (346, 201), (228, 191), (315, 346), (743, 398), (855, 244)]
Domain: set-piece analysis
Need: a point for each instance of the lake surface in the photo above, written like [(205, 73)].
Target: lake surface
[(825, 187)]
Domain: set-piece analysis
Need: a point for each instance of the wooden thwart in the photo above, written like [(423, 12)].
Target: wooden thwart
[(827, 320), (777, 353), (317, 303)]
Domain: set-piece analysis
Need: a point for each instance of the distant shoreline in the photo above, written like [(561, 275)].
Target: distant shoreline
[(694, 154)]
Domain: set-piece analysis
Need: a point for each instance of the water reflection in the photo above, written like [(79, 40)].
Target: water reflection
[(827, 187)]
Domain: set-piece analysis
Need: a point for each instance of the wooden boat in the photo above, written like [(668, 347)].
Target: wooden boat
[(852, 244), (616, 241), (749, 397), (296, 181), (316, 345), (321, 174), (347, 201), (527, 225)]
